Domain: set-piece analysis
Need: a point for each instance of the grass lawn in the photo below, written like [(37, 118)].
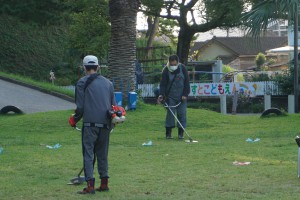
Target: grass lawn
[(45, 86), (170, 169)]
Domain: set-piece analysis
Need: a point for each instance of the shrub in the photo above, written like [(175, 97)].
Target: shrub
[(260, 60)]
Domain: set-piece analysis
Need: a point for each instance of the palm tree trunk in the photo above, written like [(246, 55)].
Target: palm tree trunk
[(122, 54)]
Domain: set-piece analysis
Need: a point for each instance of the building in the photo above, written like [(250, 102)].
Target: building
[(238, 52)]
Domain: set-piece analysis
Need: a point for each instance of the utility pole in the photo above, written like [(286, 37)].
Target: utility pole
[(296, 84)]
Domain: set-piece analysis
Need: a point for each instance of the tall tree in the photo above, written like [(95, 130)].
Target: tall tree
[(152, 29), (152, 21), (266, 11), (122, 53), (196, 16), (89, 27)]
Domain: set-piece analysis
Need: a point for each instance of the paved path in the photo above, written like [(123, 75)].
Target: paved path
[(30, 100)]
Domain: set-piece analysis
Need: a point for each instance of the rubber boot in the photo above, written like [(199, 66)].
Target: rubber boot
[(180, 133), (169, 133), (89, 189), (104, 185)]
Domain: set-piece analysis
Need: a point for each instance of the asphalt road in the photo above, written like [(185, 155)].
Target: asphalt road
[(30, 100)]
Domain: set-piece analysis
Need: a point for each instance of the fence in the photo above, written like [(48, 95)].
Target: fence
[(217, 89)]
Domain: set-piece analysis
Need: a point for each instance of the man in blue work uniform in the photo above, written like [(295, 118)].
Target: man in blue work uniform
[(174, 88), (94, 97)]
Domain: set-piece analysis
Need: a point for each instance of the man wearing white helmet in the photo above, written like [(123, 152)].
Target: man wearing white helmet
[(174, 88), (94, 97)]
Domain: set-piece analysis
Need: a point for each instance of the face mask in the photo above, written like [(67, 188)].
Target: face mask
[(173, 68)]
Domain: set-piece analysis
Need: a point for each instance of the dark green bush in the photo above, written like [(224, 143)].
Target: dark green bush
[(33, 50)]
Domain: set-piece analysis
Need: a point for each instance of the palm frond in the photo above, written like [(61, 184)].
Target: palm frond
[(267, 11)]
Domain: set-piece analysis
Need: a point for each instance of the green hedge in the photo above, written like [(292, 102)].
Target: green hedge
[(33, 50)]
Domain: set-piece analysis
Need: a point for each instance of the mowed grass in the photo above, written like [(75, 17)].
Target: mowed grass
[(169, 169)]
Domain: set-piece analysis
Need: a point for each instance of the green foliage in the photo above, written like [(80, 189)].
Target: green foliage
[(260, 77), (260, 60), (271, 61), (227, 69), (265, 12), (166, 27), (285, 81), (153, 77), (228, 12), (89, 30), (245, 104), (32, 50), (204, 78), (240, 78), (39, 36), (142, 43), (34, 11), (153, 6), (205, 106), (248, 105), (153, 61), (218, 13)]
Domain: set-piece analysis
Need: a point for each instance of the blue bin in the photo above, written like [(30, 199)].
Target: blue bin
[(132, 99), (118, 97)]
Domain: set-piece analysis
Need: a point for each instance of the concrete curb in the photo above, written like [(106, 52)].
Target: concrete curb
[(56, 94)]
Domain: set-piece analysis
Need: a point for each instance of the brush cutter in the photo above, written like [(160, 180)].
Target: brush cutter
[(81, 179), (190, 140)]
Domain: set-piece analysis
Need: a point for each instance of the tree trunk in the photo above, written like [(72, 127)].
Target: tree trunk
[(184, 42), (150, 24), (122, 54), (151, 36)]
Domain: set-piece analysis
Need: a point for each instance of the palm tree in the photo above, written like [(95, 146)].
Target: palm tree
[(122, 53), (267, 11)]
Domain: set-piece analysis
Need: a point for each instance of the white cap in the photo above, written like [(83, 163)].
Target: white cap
[(90, 60)]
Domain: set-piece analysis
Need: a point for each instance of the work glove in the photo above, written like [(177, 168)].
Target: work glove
[(72, 121)]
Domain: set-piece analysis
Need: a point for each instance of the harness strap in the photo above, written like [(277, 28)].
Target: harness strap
[(169, 89)]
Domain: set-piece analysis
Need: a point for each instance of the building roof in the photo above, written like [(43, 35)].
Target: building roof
[(198, 45), (244, 45)]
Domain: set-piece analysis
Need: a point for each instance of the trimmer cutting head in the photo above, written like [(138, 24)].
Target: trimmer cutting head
[(191, 141), (77, 180)]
